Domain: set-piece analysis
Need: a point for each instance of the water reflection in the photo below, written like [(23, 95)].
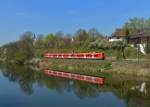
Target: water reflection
[(23, 76), (141, 88), (134, 93)]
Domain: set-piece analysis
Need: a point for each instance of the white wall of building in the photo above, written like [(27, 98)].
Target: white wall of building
[(115, 39)]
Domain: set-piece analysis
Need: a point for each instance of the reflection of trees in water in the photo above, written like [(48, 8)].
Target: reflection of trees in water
[(85, 90), (80, 89), (23, 76), (121, 88), (26, 81)]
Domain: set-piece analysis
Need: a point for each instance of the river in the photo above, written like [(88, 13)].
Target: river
[(23, 87)]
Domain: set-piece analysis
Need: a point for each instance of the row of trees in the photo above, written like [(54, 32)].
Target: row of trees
[(59, 39), (28, 47), (132, 26), (20, 51), (60, 42)]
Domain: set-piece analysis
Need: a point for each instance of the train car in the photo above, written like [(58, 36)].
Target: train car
[(93, 55)]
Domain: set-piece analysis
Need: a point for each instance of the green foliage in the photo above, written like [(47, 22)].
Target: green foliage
[(106, 45), (100, 44), (50, 41), (147, 48), (134, 24), (118, 55), (105, 66), (81, 37), (82, 41), (25, 48), (94, 34), (130, 52), (60, 42), (20, 51), (131, 27)]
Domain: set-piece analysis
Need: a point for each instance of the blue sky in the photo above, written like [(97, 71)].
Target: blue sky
[(45, 16)]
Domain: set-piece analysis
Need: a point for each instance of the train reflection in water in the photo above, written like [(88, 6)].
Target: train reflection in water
[(91, 79)]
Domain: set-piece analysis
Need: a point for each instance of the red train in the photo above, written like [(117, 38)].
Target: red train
[(92, 55)]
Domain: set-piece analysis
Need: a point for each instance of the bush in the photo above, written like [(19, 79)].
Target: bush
[(100, 44), (130, 52), (119, 55), (20, 51), (147, 48)]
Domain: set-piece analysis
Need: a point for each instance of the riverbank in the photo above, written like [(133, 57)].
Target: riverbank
[(79, 66), (135, 68), (98, 67), (101, 68)]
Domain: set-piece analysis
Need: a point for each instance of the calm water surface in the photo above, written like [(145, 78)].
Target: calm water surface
[(22, 87)]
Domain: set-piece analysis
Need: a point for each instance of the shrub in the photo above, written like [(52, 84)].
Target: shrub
[(118, 55), (130, 52), (100, 44), (147, 48)]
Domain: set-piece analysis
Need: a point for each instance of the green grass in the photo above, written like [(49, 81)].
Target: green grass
[(134, 68), (80, 66)]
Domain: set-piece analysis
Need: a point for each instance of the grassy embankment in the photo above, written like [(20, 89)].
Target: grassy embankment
[(134, 68), (98, 67), (80, 66)]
